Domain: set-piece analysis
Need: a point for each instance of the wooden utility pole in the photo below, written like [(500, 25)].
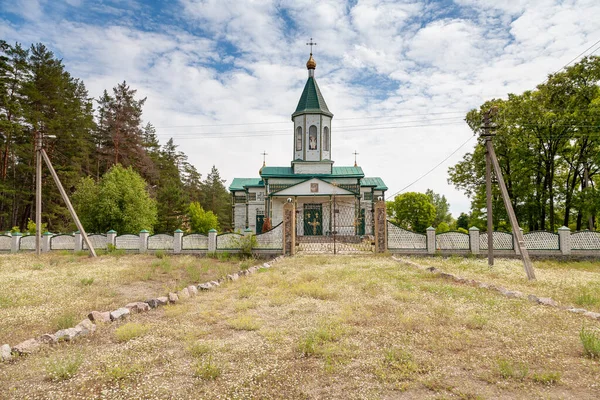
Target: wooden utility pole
[(488, 187), (38, 192), (491, 154), (66, 200)]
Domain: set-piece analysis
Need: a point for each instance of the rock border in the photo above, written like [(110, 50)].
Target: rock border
[(88, 325), (511, 294)]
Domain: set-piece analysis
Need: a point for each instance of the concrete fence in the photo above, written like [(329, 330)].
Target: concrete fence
[(270, 242)]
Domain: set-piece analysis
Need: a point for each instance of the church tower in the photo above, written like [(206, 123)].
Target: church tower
[(312, 129)]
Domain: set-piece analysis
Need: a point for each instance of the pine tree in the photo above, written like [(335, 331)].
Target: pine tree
[(215, 198)]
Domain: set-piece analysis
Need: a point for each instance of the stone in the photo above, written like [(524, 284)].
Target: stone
[(500, 289), (215, 283), (221, 280), (533, 298), (5, 353), (577, 310), (233, 277), (26, 347), (184, 293), (514, 294), (162, 301), (152, 303), (459, 279), (433, 270), (446, 275), (266, 265), (87, 327), (173, 298), (591, 314), (547, 301), (205, 286), (67, 334), (48, 338), (137, 307), (98, 316), (119, 313), (192, 290), (252, 270)]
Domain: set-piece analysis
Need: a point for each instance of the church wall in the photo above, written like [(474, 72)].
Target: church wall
[(239, 222), (326, 122), (312, 168), (368, 207), (286, 181), (299, 122), (313, 155)]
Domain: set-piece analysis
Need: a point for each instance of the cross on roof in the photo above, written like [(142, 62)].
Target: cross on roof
[(264, 154), (311, 43), (355, 154)]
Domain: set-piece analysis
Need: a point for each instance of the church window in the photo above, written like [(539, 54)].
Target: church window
[(326, 139), (251, 196), (299, 139), (312, 137)]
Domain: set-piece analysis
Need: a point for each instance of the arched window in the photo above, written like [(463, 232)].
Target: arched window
[(312, 137), (299, 139), (326, 139)]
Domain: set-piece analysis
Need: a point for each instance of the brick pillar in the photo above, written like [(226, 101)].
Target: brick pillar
[(212, 240), (111, 239), (177, 241), (289, 229), (474, 240), (16, 242), (431, 240), (380, 227), (564, 237), (144, 240), (78, 241)]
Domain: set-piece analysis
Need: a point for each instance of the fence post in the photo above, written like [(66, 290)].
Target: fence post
[(474, 239), (78, 241), (46, 241), (177, 241), (431, 240), (16, 242), (380, 227), (289, 229), (564, 237), (212, 241), (144, 240), (111, 239), (515, 242)]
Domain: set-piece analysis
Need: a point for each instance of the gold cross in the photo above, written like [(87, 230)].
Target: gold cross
[(314, 225)]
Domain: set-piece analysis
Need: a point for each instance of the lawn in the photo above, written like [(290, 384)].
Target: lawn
[(345, 327)]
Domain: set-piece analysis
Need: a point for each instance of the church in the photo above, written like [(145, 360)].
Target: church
[(328, 199)]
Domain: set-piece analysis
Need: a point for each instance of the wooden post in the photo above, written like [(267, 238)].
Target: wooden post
[(511, 214), (38, 193), (488, 195), (68, 203)]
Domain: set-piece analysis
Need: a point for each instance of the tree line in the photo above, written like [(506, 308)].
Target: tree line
[(548, 143), (87, 139)]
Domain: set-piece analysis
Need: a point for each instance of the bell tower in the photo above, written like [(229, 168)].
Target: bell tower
[(312, 128)]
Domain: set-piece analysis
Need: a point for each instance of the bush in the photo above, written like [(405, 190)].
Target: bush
[(61, 369), (207, 370), (65, 321), (201, 221), (591, 342)]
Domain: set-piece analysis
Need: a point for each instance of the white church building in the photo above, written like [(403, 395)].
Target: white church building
[(327, 198)]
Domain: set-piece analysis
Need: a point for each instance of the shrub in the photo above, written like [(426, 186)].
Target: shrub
[(61, 369), (86, 281), (591, 342), (66, 320), (509, 369), (546, 378), (130, 331), (207, 370)]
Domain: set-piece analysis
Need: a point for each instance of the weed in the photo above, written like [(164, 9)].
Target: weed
[(198, 349), (587, 299), (207, 369), (312, 289), (86, 281), (313, 342), (130, 331), (476, 322), (511, 370), (5, 301), (193, 273), (61, 369), (591, 342), (37, 267), (121, 372), (81, 253), (546, 378), (66, 320), (244, 323), (160, 254), (246, 291), (163, 264)]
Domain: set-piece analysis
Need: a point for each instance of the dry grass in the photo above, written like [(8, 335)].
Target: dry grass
[(383, 331), (56, 291)]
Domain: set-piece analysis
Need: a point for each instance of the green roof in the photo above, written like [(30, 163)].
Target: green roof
[(375, 182), (243, 183), (287, 172), (312, 100)]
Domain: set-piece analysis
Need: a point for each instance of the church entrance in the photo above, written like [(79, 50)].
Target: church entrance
[(313, 219)]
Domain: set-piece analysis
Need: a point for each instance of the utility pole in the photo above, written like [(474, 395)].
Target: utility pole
[(488, 186), (38, 192), (491, 154)]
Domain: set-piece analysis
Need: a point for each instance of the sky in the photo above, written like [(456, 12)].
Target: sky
[(222, 77)]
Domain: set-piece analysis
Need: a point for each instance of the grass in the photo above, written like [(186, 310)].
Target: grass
[(66, 320), (63, 368), (383, 330), (86, 281), (590, 339)]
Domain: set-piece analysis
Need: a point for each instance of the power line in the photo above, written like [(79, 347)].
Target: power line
[(432, 169)]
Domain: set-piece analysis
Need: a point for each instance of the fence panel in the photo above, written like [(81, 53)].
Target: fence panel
[(502, 241), (194, 241), (160, 241), (98, 240), (541, 240), (272, 239), (228, 241), (5, 242), (585, 240), (27, 242), (62, 242), (452, 241), (402, 239), (127, 242)]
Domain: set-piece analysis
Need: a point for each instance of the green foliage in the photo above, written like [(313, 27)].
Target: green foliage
[(63, 368), (129, 331), (87, 281), (118, 201), (442, 208), (512, 370), (442, 227), (201, 221), (65, 321), (590, 339), (32, 229), (207, 369), (215, 198), (412, 211), (462, 221), (245, 243), (547, 378)]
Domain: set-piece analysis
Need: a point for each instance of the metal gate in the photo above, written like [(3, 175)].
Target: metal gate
[(332, 228)]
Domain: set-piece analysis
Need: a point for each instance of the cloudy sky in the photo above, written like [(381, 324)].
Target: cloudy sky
[(222, 77)]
